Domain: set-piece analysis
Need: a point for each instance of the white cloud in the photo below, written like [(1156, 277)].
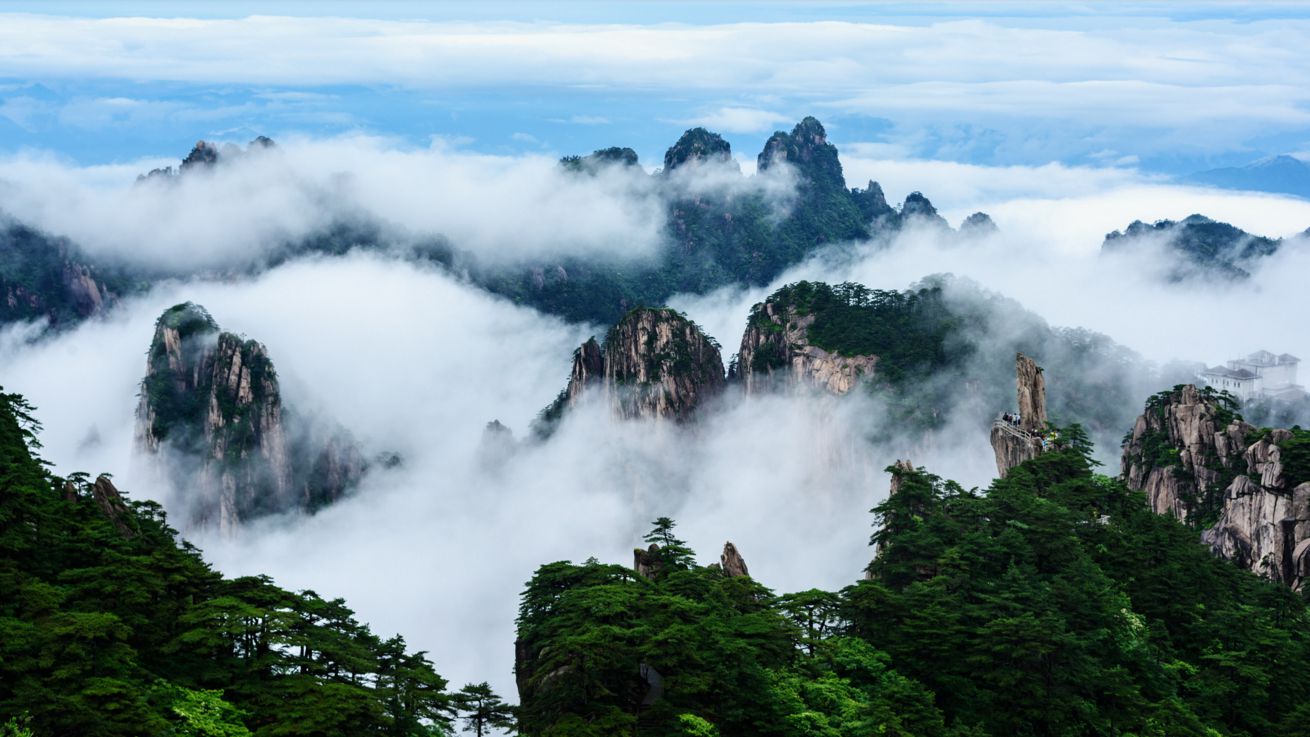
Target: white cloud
[(737, 120), (502, 208), (1136, 71)]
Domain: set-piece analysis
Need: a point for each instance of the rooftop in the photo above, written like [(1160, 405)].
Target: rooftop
[(1228, 373)]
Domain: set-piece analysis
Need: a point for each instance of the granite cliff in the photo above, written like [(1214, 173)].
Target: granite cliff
[(1246, 489), (655, 363), (1021, 437), (211, 414)]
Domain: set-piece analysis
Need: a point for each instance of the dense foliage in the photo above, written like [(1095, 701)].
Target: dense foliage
[(945, 339), (1056, 603), (43, 277), (1203, 246), (110, 625), (911, 332)]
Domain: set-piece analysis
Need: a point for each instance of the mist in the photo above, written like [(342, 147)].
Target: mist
[(254, 204), (414, 361)]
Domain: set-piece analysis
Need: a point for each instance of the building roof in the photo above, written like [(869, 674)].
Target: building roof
[(1229, 373), (1265, 358)]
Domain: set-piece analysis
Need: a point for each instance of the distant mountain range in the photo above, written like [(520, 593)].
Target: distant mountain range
[(1277, 174)]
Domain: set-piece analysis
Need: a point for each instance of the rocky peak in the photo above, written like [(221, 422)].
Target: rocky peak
[(696, 146), (733, 565), (873, 204), (111, 505), (202, 155), (597, 160), (1021, 436), (1183, 451), (978, 224), (211, 414), (654, 363), (918, 209), (205, 155), (776, 351), (1202, 246), (807, 149)]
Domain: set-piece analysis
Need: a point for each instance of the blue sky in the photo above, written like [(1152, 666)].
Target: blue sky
[(1165, 87)]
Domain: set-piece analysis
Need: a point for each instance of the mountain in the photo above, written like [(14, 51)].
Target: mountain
[(1246, 489), (1198, 245), (925, 351), (1277, 174), (711, 238), (1053, 603), (211, 417), (655, 363), (47, 278), (115, 627)]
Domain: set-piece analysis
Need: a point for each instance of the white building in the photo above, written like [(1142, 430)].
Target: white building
[(1260, 375)]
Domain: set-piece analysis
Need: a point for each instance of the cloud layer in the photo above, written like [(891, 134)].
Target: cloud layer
[(1121, 85)]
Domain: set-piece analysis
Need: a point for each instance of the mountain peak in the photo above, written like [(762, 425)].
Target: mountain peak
[(697, 145), (807, 149)]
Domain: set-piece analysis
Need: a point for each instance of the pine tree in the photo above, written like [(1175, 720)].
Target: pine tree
[(482, 709)]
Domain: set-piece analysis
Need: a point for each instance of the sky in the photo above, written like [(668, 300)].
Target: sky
[(1064, 122), (1167, 88)]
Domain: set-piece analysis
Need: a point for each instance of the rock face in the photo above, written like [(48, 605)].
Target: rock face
[(1180, 448), (731, 561), (111, 505), (1017, 442), (776, 352), (1264, 530), (655, 364), (211, 413), (1199, 461), (43, 277)]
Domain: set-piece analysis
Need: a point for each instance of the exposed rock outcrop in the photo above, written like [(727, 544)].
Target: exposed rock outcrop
[(46, 277), (1199, 461), (1264, 530), (211, 413), (776, 352), (731, 562), (1019, 439), (899, 469), (655, 363), (1183, 450), (646, 562), (111, 505)]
